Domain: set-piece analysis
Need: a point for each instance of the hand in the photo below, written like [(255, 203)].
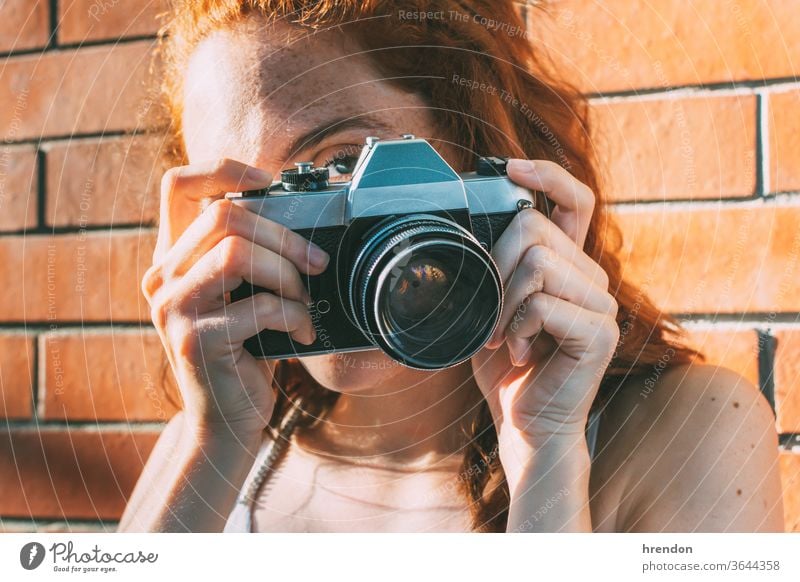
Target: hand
[(542, 369), (198, 260)]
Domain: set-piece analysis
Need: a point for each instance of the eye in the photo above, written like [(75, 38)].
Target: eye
[(341, 162)]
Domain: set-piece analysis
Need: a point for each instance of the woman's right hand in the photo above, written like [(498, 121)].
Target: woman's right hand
[(197, 261)]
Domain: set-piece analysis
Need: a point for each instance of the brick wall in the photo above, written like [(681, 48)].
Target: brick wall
[(696, 109)]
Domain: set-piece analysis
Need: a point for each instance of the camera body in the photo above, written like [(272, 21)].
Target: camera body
[(408, 238)]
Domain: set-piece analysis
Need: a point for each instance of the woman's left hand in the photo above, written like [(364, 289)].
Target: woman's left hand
[(557, 332)]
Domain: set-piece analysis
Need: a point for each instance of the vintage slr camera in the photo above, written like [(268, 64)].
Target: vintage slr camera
[(409, 240)]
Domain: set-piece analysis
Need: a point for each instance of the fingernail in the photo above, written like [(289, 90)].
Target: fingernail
[(516, 351), (257, 175), (304, 337), (492, 344), (495, 341), (317, 256), (525, 166)]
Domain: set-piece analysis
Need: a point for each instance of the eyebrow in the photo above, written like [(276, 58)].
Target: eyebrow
[(365, 122)]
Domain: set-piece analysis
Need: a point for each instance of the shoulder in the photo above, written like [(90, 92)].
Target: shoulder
[(692, 448)]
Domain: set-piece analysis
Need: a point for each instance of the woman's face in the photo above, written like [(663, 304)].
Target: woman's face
[(253, 94)]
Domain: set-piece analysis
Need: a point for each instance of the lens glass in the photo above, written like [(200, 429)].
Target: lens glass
[(438, 302)]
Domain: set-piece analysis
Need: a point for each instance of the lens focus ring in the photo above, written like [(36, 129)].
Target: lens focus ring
[(432, 334)]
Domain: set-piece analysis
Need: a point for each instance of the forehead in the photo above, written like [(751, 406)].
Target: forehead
[(253, 90)]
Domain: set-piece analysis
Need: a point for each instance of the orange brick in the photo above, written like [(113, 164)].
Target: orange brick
[(16, 375), (717, 259), (790, 477), (93, 89), (82, 20), (88, 276), (737, 350), (125, 383), (24, 24), (612, 45), (787, 380), (110, 181), (19, 183), (55, 473), (698, 147), (784, 141)]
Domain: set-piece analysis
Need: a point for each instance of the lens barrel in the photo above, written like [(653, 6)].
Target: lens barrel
[(425, 291)]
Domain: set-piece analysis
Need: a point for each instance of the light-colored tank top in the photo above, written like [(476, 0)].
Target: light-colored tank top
[(241, 518)]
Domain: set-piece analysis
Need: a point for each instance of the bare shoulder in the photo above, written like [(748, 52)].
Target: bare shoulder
[(693, 448)]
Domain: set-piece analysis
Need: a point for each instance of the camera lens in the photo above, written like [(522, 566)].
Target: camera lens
[(425, 291)]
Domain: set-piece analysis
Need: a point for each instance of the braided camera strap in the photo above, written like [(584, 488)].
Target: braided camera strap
[(276, 449)]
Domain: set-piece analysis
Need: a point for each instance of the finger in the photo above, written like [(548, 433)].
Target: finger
[(577, 331), (232, 324), (541, 269), (268, 366), (532, 228), (574, 200), (183, 187), (224, 218), (227, 265)]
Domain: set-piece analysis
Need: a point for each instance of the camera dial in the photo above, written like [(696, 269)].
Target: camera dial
[(304, 178)]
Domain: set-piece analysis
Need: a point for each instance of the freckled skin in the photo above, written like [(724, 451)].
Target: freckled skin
[(280, 95), (672, 462)]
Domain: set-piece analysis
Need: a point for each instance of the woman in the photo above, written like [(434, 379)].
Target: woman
[(358, 442)]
